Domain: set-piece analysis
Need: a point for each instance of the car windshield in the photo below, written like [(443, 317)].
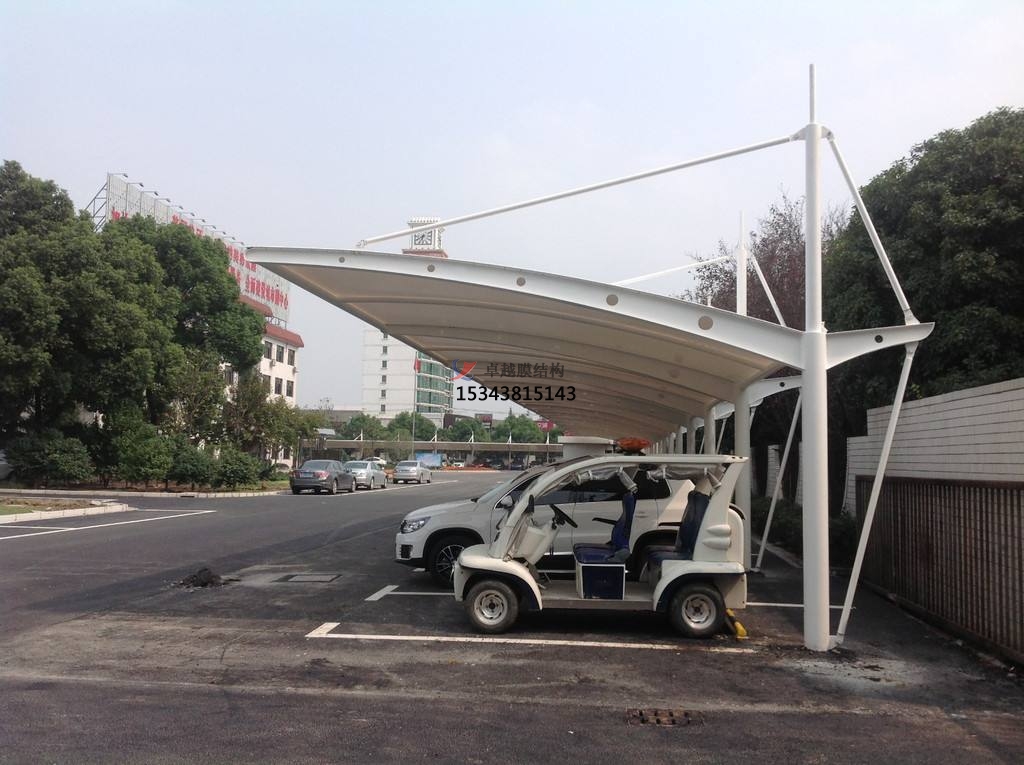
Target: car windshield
[(316, 465), (355, 466), (408, 464)]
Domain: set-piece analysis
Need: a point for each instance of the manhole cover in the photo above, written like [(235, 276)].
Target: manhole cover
[(676, 717), (309, 578)]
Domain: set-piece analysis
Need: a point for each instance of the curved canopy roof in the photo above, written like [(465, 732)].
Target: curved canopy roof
[(641, 364)]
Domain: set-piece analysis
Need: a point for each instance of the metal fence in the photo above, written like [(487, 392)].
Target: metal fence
[(953, 552)]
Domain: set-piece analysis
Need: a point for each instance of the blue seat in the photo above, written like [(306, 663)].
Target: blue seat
[(686, 537), (591, 553)]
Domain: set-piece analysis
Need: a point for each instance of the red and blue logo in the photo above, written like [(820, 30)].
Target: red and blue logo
[(458, 374)]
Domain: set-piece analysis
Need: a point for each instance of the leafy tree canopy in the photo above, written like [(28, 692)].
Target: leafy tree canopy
[(951, 216)]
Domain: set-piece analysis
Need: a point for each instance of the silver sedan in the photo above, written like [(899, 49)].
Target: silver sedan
[(367, 473), (411, 470)]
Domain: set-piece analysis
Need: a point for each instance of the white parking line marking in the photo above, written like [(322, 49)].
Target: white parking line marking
[(418, 570), (783, 605), (104, 525), (325, 631), (396, 592), (382, 592), (19, 526)]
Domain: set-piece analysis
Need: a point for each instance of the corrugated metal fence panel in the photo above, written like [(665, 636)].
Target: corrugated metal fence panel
[(954, 551)]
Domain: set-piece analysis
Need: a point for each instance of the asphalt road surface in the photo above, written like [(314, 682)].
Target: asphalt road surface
[(320, 649)]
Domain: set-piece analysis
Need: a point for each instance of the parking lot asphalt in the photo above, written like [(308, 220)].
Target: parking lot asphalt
[(319, 648)]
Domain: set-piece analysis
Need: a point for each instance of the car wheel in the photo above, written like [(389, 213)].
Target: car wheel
[(697, 610), (384, 485), (352, 487), (492, 606), (419, 480), (296, 490), (443, 554), (334, 487)]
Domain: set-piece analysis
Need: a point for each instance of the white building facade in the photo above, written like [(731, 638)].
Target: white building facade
[(396, 377)]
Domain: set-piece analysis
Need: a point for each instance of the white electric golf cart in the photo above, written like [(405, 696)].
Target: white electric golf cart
[(694, 581)]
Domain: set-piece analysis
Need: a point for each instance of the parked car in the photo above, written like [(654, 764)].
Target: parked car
[(458, 464), (433, 536), (367, 473), (411, 470), (5, 467), (321, 475)]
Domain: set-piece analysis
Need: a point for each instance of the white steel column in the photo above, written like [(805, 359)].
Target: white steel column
[(815, 414), (681, 437), (710, 439), (741, 406), (741, 434)]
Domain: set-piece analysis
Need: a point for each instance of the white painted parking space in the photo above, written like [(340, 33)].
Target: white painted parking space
[(326, 630), (783, 605), (66, 529)]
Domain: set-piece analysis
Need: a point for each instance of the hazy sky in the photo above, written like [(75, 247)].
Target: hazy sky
[(320, 124)]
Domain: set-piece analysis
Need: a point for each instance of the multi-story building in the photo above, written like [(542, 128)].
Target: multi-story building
[(397, 378), (278, 367)]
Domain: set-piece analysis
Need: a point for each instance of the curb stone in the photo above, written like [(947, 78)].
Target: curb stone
[(165, 494), (73, 512)]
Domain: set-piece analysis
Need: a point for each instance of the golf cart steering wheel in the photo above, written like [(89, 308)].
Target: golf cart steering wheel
[(562, 517)]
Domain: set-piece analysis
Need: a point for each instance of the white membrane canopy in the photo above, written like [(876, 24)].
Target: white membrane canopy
[(640, 364)]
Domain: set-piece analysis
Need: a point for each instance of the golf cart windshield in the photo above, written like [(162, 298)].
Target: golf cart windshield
[(519, 483)]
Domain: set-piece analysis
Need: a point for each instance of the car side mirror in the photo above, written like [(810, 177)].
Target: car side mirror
[(505, 503)]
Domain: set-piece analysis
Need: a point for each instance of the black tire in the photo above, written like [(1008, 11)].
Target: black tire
[(419, 480), (352, 487), (334, 487), (697, 610), (296, 490), (492, 606), (441, 557)]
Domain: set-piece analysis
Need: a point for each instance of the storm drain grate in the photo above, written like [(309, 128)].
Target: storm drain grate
[(309, 578), (669, 717)]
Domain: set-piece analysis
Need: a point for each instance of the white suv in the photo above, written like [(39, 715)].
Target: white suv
[(433, 537)]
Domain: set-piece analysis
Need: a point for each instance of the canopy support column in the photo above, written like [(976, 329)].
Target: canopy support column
[(815, 414)]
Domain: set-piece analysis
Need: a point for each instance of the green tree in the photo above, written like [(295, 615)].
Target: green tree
[(191, 464), (523, 429), (369, 426), (197, 397), (30, 203), (49, 456), (463, 429), (209, 315), (144, 454), (244, 412), (402, 423), (951, 215), (235, 468)]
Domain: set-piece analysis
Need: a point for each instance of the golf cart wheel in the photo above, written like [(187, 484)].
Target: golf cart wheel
[(443, 554), (697, 610), (492, 605)]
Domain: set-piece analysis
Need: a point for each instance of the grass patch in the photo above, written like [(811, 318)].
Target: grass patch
[(15, 506)]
